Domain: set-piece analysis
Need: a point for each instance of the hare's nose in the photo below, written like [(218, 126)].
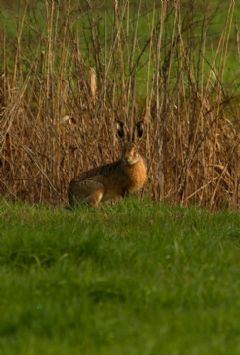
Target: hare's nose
[(128, 158)]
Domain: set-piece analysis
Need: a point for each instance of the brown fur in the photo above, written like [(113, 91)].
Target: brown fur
[(110, 181)]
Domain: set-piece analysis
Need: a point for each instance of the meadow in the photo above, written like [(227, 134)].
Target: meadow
[(147, 275), (137, 277)]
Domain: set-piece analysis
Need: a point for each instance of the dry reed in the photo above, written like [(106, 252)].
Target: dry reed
[(60, 97)]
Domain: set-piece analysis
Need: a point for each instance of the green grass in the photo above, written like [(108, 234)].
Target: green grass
[(134, 278)]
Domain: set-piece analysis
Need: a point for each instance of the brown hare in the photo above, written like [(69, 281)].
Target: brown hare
[(113, 180)]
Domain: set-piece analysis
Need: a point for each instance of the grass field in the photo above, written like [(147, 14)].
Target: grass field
[(138, 277), (134, 278)]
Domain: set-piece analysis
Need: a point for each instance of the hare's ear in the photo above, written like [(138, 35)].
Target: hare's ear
[(138, 130), (120, 129)]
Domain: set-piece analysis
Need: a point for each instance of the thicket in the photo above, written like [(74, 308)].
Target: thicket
[(69, 70)]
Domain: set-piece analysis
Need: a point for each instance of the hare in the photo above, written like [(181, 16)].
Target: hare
[(114, 180)]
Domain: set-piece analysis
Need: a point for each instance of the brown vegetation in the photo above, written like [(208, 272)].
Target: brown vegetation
[(58, 104)]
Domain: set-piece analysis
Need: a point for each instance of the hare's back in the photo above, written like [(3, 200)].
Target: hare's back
[(104, 171)]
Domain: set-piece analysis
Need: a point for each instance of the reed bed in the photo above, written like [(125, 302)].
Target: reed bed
[(67, 78)]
